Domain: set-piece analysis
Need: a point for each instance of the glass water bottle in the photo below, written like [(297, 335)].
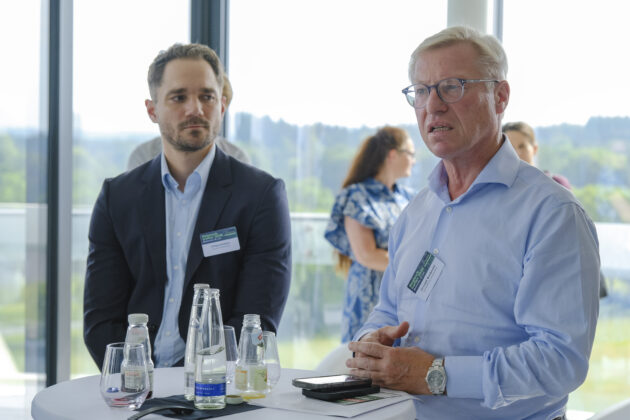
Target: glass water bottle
[(251, 371), (210, 366), (201, 297), (138, 333)]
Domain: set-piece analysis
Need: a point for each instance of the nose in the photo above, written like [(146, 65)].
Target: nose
[(194, 107), (435, 103)]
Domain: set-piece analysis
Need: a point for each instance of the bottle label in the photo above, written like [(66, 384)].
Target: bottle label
[(240, 378), (209, 390), (133, 379), (259, 374)]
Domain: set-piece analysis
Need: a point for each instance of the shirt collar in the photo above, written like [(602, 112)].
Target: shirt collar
[(501, 169), (202, 171)]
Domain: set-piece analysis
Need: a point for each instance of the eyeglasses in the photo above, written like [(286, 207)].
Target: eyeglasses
[(408, 152), (449, 90)]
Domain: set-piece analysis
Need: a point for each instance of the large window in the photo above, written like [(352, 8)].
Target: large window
[(567, 81), (23, 207), (311, 80), (112, 54)]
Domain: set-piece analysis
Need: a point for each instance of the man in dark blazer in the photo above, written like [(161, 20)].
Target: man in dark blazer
[(191, 215)]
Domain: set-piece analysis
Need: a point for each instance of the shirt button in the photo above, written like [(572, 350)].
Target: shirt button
[(168, 333), (170, 300), (179, 234), (176, 267), (184, 201), (449, 209), (417, 339), (436, 251)]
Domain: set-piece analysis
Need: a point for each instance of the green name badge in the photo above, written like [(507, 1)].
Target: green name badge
[(219, 241), (426, 275)]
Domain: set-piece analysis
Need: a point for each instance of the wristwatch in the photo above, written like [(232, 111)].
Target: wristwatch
[(436, 377)]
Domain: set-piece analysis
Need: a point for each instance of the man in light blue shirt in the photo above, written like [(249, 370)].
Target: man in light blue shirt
[(489, 304)]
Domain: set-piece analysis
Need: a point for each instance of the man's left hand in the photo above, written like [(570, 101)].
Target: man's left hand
[(401, 368)]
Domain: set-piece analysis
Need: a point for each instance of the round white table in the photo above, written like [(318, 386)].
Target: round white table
[(81, 399)]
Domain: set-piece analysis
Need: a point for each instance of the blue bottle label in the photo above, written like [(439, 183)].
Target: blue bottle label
[(209, 390)]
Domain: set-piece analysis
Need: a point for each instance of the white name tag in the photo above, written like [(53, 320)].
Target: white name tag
[(219, 242), (426, 275)]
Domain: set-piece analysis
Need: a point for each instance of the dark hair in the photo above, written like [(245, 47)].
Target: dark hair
[(176, 51), (367, 162), (523, 128), (373, 152)]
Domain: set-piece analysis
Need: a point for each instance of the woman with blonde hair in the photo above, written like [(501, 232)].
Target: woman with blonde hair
[(364, 211)]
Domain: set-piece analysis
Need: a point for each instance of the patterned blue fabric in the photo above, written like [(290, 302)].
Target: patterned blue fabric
[(375, 206)]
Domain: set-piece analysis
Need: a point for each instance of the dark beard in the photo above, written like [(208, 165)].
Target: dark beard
[(184, 146), (179, 143)]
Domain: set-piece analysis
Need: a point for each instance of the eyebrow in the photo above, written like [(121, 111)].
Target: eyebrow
[(184, 90)]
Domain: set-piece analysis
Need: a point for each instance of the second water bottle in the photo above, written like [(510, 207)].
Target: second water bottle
[(210, 365)]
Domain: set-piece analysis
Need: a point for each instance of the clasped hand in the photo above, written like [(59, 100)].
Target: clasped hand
[(401, 368)]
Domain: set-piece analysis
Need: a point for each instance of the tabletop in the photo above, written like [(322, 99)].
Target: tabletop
[(80, 397)]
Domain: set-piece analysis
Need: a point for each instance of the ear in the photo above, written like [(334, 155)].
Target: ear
[(501, 96), (223, 105), (535, 149), (151, 110)]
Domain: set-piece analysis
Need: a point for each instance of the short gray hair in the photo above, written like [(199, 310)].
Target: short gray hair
[(492, 56), (199, 51)]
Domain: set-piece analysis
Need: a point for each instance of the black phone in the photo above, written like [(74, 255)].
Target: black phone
[(340, 394), (332, 382)]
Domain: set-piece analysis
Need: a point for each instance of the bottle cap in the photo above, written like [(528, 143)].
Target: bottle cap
[(201, 286), (251, 318), (138, 318)]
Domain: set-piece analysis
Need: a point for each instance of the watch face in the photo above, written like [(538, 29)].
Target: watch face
[(435, 379)]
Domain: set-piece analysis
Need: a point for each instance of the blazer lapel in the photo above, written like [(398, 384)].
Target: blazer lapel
[(215, 197), (153, 216)]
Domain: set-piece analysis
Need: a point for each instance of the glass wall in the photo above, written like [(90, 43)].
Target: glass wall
[(566, 78), (311, 80), (23, 209), (112, 54)]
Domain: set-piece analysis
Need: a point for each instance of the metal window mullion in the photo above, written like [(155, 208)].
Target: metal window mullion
[(59, 195), (209, 25), (498, 19), (52, 193), (64, 191)]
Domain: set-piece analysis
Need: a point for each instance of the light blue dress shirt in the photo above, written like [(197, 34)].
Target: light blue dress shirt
[(181, 215), (515, 307)]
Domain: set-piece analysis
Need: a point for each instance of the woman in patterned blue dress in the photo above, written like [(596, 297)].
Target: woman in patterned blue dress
[(364, 211)]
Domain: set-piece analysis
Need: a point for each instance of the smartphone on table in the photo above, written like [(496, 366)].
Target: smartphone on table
[(335, 387)]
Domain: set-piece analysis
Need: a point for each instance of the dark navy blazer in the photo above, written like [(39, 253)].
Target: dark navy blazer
[(126, 265)]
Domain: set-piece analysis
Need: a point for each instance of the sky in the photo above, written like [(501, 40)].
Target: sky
[(336, 62)]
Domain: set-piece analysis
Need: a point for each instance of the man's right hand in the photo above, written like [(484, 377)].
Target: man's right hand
[(385, 335)]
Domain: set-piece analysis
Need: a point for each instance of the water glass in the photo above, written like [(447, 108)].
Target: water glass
[(231, 352), (271, 359), (113, 389)]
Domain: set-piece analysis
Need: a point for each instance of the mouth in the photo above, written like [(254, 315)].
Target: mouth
[(437, 128), (193, 124)]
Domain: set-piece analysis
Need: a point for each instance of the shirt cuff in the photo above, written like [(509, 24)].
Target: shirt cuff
[(463, 376)]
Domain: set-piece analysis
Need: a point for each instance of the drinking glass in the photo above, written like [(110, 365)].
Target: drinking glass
[(125, 384), (231, 352), (271, 359)]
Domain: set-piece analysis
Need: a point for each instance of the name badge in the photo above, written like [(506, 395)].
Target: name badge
[(219, 242), (426, 275)]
